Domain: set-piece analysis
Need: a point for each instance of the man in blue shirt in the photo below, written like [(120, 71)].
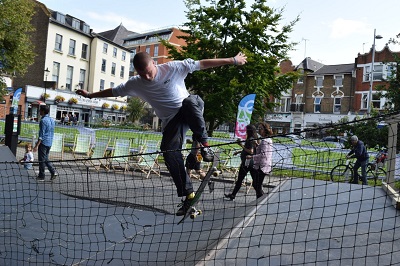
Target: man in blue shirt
[(360, 152), (43, 145)]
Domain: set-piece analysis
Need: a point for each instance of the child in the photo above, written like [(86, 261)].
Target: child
[(28, 158), (193, 160)]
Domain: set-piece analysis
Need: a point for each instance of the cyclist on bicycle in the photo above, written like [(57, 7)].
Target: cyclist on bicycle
[(360, 152)]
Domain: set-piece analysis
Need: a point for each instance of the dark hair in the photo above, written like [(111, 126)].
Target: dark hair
[(251, 131), (45, 109), (141, 60), (267, 128)]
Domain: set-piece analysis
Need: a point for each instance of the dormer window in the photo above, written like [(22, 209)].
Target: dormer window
[(76, 24), (60, 18)]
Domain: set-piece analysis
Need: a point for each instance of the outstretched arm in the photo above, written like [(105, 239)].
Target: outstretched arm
[(98, 94), (239, 59)]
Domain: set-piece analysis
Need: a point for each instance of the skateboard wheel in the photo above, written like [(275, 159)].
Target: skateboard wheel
[(199, 212), (192, 216)]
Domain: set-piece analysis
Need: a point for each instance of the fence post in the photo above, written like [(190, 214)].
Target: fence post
[(388, 186)]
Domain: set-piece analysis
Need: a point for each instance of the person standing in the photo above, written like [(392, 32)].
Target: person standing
[(262, 158), (163, 87), (43, 145), (360, 152), (246, 165), (28, 157)]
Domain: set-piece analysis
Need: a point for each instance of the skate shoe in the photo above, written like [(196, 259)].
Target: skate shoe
[(207, 154), (229, 196), (185, 205)]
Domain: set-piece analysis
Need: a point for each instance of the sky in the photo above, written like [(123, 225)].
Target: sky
[(330, 32)]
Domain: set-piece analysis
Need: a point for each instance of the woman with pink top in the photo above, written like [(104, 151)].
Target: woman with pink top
[(262, 158)]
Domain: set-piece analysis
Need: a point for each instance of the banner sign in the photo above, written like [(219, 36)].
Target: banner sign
[(15, 101), (245, 109)]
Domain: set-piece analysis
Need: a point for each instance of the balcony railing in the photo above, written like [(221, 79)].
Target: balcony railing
[(297, 107)]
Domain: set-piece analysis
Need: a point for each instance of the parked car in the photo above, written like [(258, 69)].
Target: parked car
[(335, 139)]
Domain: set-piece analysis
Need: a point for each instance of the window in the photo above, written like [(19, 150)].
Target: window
[(155, 61), (122, 72), (284, 105), (103, 65), (84, 51), (364, 101), (68, 85), (105, 48), (317, 104), (86, 28), (337, 102), (155, 49), (319, 81), (113, 67), (82, 75), (148, 49), (115, 52), (123, 56), (378, 72), (376, 101), (60, 18), (102, 85), (338, 80), (391, 71), (72, 44), (301, 78), (299, 98), (76, 24), (56, 71), (111, 84), (58, 44)]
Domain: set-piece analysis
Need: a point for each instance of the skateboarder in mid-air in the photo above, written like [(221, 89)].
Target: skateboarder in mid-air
[(163, 87)]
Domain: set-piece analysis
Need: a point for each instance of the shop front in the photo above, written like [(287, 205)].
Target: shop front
[(68, 108)]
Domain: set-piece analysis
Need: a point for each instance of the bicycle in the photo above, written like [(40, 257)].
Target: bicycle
[(344, 172)]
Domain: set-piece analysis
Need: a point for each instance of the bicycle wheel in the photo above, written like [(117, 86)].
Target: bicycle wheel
[(341, 173), (377, 174)]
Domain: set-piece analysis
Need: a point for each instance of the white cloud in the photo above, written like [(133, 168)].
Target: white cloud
[(107, 21), (341, 28)]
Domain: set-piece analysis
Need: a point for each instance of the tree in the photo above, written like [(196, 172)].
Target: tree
[(222, 29), (135, 109), (16, 49)]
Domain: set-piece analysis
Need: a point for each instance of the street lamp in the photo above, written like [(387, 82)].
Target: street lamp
[(371, 81), (46, 74)]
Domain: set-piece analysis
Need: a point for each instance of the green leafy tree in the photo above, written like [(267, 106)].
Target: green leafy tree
[(135, 109), (16, 49), (366, 129), (222, 29)]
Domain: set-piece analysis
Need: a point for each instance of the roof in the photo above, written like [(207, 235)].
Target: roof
[(309, 64), (153, 32), (334, 69), (117, 35)]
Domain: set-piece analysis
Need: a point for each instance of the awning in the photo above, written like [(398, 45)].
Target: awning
[(38, 103)]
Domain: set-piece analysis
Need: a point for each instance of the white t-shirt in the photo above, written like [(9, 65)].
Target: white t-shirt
[(166, 92)]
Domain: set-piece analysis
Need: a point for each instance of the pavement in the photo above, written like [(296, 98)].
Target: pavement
[(88, 217)]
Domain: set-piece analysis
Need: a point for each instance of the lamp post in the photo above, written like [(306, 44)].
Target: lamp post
[(46, 74), (371, 81)]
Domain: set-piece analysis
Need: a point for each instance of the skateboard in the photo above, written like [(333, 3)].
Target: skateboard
[(193, 212)]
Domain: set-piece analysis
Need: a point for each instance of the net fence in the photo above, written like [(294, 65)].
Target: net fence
[(114, 203)]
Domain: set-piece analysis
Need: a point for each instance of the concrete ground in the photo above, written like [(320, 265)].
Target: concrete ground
[(90, 217)]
